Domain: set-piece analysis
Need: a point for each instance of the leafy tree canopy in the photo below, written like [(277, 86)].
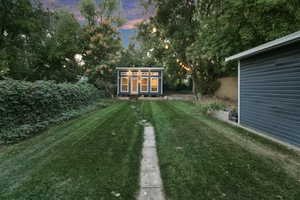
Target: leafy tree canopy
[(199, 34)]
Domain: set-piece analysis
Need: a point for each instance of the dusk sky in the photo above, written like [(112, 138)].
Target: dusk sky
[(133, 12)]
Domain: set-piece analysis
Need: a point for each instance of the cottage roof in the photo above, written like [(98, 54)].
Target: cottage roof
[(140, 68)]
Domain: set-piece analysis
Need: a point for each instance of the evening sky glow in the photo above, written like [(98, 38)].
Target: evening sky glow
[(132, 11)]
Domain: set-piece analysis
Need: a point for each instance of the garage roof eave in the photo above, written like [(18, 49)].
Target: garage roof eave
[(266, 47)]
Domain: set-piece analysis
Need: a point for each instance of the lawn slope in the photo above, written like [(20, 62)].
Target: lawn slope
[(94, 157), (198, 159)]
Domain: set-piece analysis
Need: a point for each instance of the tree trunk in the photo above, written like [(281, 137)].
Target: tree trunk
[(195, 91), (194, 86)]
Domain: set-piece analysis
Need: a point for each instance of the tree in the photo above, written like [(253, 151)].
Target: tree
[(89, 11), (62, 42), (106, 10), (130, 57), (37, 44), (227, 27), (22, 24), (202, 33), (169, 33), (102, 43)]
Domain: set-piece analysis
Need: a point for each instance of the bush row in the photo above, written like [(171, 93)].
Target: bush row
[(30, 104)]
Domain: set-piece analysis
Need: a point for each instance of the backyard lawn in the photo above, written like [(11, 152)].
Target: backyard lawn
[(94, 157), (202, 158), (98, 156)]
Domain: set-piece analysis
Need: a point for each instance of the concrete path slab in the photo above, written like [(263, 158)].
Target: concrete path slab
[(150, 180)]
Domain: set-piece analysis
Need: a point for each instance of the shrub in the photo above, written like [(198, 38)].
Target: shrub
[(26, 104), (208, 86), (212, 106)]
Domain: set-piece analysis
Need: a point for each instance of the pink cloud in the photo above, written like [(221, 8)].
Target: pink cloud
[(131, 24)]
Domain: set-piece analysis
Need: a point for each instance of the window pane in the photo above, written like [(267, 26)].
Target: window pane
[(124, 73), (154, 73), (144, 88), (144, 81), (125, 81), (125, 88), (144, 85), (154, 85), (124, 84)]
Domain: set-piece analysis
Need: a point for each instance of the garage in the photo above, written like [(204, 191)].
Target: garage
[(269, 88)]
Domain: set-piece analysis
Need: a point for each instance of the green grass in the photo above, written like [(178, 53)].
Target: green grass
[(97, 156), (202, 158), (93, 157)]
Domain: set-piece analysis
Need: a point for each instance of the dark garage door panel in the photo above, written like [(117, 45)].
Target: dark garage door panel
[(270, 93)]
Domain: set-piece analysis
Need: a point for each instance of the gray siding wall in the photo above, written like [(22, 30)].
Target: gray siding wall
[(270, 93)]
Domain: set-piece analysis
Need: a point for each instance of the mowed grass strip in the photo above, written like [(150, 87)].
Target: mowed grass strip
[(197, 162), (94, 157), (287, 158)]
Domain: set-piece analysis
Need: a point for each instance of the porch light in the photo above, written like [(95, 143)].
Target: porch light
[(166, 46)]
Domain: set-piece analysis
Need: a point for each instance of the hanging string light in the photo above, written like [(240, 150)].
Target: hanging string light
[(154, 30), (184, 66), (168, 46)]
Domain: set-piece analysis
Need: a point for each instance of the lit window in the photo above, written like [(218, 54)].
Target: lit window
[(154, 84), (154, 73), (135, 73), (124, 73), (144, 85), (145, 74), (124, 84)]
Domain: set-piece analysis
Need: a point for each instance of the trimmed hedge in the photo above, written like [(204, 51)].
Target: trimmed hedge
[(23, 104)]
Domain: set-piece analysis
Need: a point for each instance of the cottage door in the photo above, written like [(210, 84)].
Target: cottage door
[(134, 85)]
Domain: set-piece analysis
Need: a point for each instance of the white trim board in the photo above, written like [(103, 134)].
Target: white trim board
[(118, 86), (239, 92), (140, 68), (161, 82)]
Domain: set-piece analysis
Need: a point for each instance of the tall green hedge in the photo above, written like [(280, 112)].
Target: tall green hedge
[(23, 104)]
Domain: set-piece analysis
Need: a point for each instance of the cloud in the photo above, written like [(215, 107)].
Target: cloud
[(49, 3), (132, 11), (132, 23)]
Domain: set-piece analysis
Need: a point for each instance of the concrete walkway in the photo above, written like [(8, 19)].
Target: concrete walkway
[(150, 181)]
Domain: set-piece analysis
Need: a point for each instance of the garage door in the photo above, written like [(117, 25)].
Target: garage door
[(270, 93)]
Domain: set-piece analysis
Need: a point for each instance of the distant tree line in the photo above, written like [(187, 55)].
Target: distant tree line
[(193, 37), (43, 44)]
